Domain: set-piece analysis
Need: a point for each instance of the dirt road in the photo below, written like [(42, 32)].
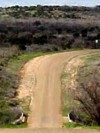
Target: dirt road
[(41, 80)]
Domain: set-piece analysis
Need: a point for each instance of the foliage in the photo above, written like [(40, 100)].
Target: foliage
[(77, 32), (88, 92), (8, 86), (23, 125), (77, 125), (11, 64)]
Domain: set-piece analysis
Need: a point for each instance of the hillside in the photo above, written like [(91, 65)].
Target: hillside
[(65, 12), (50, 28)]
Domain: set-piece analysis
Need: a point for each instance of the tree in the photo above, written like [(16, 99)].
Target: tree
[(88, 94), (39, 10)]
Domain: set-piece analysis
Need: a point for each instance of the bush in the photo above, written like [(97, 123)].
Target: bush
[(5, 116), (78, 44), (25, 37), (88, 93), (8, 85), (40, 39)]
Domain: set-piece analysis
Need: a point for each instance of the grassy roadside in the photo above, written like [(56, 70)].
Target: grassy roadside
[(10, 64), (90, 61), (68, 81), (13, 67), (78, 125), (16, 63), (24, 125)]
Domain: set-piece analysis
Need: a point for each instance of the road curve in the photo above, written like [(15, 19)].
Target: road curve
[(46, 89), (41, 80)]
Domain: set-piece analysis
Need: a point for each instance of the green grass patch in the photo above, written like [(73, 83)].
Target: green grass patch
[(64, 75), (68, 103), (23, 125), (92, 58), (16, 63), (72, 125), (76, 125)]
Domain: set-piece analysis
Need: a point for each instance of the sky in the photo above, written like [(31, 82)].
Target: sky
[(49, 2)]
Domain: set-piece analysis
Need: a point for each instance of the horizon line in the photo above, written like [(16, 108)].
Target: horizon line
[(49, 5)]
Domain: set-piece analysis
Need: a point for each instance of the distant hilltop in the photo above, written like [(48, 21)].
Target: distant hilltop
[(49, 11)]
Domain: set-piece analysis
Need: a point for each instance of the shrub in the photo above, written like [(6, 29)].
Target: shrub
[(78, 44), (8, 85), (25, 38), (6, 116), (88, 93), (40, 39)]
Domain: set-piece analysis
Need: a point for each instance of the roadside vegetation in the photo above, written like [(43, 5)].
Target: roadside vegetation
[(11, 61), (16, 63), (82, 99), (50, 28), (78, 125), (23, 125)]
